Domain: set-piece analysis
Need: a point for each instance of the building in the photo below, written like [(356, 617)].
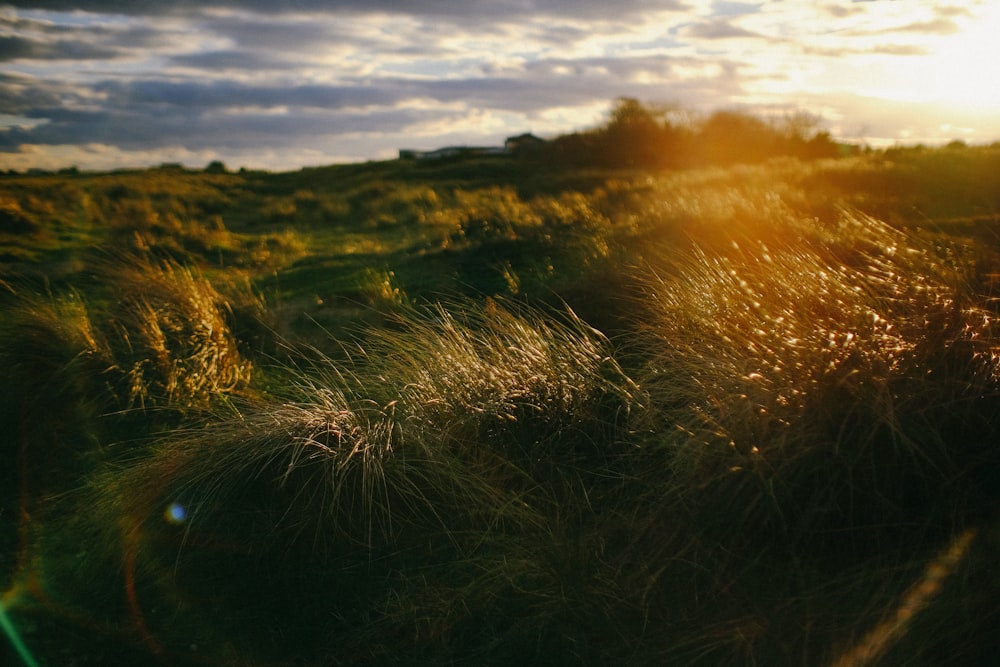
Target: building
[(449, 151), (521, 144)]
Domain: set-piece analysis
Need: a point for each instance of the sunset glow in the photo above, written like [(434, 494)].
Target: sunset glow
[(958, 65)]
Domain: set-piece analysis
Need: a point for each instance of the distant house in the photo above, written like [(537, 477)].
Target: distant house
[(449, 151), (519, 145), (523, 143)]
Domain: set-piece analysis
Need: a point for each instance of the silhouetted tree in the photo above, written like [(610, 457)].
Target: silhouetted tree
[(571, 150), (643, 136), (821, 145), (803, 139), (638, 135), (728, 137)]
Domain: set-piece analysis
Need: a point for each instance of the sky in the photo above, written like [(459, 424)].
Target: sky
[(282, 85)]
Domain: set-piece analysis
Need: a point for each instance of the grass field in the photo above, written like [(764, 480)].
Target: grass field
[(490, 411)]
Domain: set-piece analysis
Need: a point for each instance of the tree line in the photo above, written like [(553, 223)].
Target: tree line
[(663, 137)]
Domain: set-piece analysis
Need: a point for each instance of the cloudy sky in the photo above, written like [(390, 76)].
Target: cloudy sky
[(280, 85)]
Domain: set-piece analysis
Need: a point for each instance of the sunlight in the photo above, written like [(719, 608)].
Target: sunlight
[(956, 74), (953, 74)]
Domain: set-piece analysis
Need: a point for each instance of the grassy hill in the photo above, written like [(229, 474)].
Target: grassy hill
[(504, 409)]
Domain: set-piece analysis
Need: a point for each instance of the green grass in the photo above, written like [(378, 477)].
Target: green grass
[(470, 413)]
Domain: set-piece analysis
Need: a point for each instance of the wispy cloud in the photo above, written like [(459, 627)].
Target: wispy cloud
[(719, 28), (938, 26)]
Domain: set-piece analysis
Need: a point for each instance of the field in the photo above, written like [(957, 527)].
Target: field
[(494, 410)]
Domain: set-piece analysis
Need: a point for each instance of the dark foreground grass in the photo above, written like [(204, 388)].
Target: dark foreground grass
[(830, 410), (785, 455), (380, 507)]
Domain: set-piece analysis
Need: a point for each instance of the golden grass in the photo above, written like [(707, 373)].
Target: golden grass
[(173, 334), (819, 404), (448, 437), (780, 458)]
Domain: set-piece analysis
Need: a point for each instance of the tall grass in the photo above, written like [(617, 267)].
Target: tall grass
[(56, 362), (784, 455), (872, 344), (823, 410), (418, 468), (172, 330), (79, 373)]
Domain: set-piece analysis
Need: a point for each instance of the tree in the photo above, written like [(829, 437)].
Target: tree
[(216, 167), (800, 125), (637, 135), (728, 137)]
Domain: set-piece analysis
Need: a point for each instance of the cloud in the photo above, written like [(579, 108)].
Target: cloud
[(297, 31), (953, 11), (12, 48), (232, 128), (842, 11), (19, 48), (456, 10), (877, 49), (192, 114), (900, 50), (940, 26), (197, 95), (23, 94), (721, 28), (233, 59)]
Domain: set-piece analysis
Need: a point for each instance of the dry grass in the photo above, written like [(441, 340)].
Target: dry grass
[(413, 471), (172, 334), (821, 410), (809, 429), (781, 458), (56, 365), (767, 348)]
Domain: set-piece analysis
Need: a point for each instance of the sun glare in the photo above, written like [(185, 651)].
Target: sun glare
[(959, 69)]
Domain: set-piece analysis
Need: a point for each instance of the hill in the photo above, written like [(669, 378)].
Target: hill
[(506, 408)]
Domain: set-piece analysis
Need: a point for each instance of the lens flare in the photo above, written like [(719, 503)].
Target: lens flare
[(15, 639), (175, 514)]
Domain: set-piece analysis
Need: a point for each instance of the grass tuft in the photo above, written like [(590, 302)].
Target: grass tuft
[(821, 410), (172, 334), (433, 442)]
